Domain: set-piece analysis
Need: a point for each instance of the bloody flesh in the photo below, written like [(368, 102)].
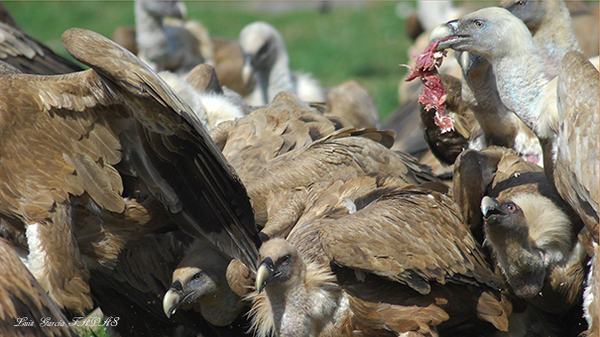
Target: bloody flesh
[(433, 95)]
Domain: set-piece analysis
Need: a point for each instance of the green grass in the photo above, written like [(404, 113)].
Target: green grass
[(364, 44)]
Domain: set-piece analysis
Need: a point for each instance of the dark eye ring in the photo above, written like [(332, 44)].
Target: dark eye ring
[(198, 276), (285, 260), (521, 3)]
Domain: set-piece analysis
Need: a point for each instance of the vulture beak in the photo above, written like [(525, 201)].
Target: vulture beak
[(172, 299), (181, 11), (446, 33), (247, 70), (466, 61), (490, 207), (264, 274)]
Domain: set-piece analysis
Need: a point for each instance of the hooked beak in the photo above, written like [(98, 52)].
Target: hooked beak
[(264, 274), (247, 70), (489, 207), (446, 33), (172, 299)]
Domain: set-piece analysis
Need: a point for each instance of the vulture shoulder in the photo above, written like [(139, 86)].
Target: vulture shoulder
[(25, 304)]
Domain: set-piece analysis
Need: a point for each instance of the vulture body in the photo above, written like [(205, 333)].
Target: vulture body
[(267, 59), (563, 112), (26, 308), (109, 153), (287, 145), (354, 263)]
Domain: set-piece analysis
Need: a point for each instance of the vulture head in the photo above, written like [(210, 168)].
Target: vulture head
[(199, 282), (485, 32), (160, 9), (261, 45), (280, 268), (527, 235)]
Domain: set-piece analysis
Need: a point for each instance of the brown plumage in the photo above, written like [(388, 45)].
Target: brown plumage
[(287, 145), (95, 144), (355, 256), (26, 53), (26, 308), (447, 146), (353, 102), (529, 230)]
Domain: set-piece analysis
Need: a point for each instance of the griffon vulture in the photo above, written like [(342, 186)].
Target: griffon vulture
[(365, 256), (563, 112), (96, 158), (267, 58), (285, 146), (531, 234)]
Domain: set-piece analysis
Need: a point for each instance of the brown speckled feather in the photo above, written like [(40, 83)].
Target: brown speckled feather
[(285, 145), (577, 171), (399, 251), (93, 159), (174, 141), (25, 302)]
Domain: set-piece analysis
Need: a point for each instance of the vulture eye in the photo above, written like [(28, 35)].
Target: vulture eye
[(285, 260), (478, 23), (511, 208), (521, 3), (198, 276)]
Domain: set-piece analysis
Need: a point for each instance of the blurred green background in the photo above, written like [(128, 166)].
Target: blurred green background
[(364, 41)]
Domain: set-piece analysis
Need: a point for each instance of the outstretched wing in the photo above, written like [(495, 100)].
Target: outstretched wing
[(207, 197)]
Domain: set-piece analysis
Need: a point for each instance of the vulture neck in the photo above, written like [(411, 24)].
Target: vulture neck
[(150, 33), (277, 78), (525, 89), (222, 307), (481, 95), (554, 36), (290, 311)]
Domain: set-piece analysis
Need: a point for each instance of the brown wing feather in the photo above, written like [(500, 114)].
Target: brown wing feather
[(24, 299), (402, 251), (577, 171), (214, 203)]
